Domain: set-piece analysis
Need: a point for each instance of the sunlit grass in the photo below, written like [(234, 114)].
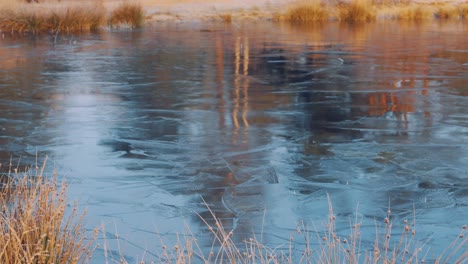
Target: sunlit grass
[(35, 223), (446, 11), (127, 14), (226, 17), (306, 11), (356, 11), (72, 16), (81, 19), (463, 9), (415, 12), (66, 16), (366, 10), (22, 20), (52, 17)]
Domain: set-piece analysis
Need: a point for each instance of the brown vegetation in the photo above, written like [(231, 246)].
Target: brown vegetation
[(85, 15), (356, 11), (366, 10), (414, 12), (35, 226), (463, 8), (307, 11), (66, 17), (446, 11), (127, 15), (226, 18)]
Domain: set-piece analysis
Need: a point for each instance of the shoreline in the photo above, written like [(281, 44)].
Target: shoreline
[(228, 10), (206, 10), (57, 17)]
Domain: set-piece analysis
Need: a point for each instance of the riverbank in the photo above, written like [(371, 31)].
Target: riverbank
[(82, 15), (299, 11)]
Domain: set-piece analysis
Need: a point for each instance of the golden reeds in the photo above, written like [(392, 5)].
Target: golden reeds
[(446, 11), (80, 19), (226, 17), (35, 226), (367, 10), (128, 15), (463, 9), (307, 11), (356, 11), (21, 20), (67, 17), (415, 12), (78, 16)]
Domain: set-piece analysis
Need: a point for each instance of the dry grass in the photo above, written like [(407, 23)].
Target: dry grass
[(85, 15), (128, 15), (322, 246), (367, 10), (226, 17), (446, 11), (356, 11), (415, 12), (35, 226), (52, 17), (66, 16), (82, 18), (463, 9), (307, 11)]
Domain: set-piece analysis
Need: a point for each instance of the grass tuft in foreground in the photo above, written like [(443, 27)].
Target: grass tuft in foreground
[(128, 15), (35, 226)]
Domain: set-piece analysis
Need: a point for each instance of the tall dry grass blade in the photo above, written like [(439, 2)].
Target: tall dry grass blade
[(451, 251)]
